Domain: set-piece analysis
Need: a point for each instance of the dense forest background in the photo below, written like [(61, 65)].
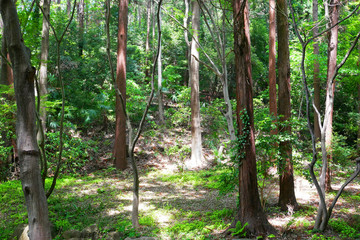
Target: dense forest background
[(86, 143)]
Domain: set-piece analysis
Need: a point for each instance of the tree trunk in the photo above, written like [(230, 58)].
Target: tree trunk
[(24, 73), (43, 69), (188, 44), (147, 44), (287, 194), (228, 108), (68, 7), (120, 129), (272, 59), (332, 54), (316, 83), (272, 75), (196, 145), (159, 90), (81, 15), (250, 210)]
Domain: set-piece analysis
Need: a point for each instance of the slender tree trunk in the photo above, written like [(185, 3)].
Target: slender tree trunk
[(332, 55), (316, 83), (272, 59), (196, 145), (159, 90), (272, 74), (287, 193), (81, 16), (250, 210), (228, 108), (188, 44), (147, 44), (68, 7), (24, 73), (43, 69), (120, 129)]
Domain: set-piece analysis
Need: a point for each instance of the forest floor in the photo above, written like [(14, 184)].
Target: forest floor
[(174, 203)]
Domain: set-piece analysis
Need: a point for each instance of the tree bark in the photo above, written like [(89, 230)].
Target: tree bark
[(188, 44), (159, 89), (250, 210), (332, 55), (24, 73), (316, 79), (272, 59), (120, 129), (196, 145), (43, 84), (68, 7), (287, 193)]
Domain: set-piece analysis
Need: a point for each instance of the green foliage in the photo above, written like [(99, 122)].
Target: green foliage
[(77, 153), (239, 229), (342, 227), (7, 127), (179, 151)]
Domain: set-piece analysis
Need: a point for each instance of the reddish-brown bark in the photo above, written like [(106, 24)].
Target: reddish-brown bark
[(250, 210), (120, 129), (287, 193)]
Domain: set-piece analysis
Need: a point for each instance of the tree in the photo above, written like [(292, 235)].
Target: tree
[(120, 129), (24, 73), (219, 39), (287, 193), (323, 214), (316, 82), (333, 10), (147, 43), (43, 83), (272, 59), (250, 210), (196, 145), (159, 90)]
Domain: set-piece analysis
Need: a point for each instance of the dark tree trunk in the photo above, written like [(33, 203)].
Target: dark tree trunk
[(287, 192), (250, 210), (316, 83), (35, 199), (120, 129)]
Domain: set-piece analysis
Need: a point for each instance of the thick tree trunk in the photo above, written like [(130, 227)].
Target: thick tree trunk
[(196, 145), (332, 55), (159, 89), (287, 193), (35, 200), (250, 210), (43, 69), (316, 79), (120, 129)]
